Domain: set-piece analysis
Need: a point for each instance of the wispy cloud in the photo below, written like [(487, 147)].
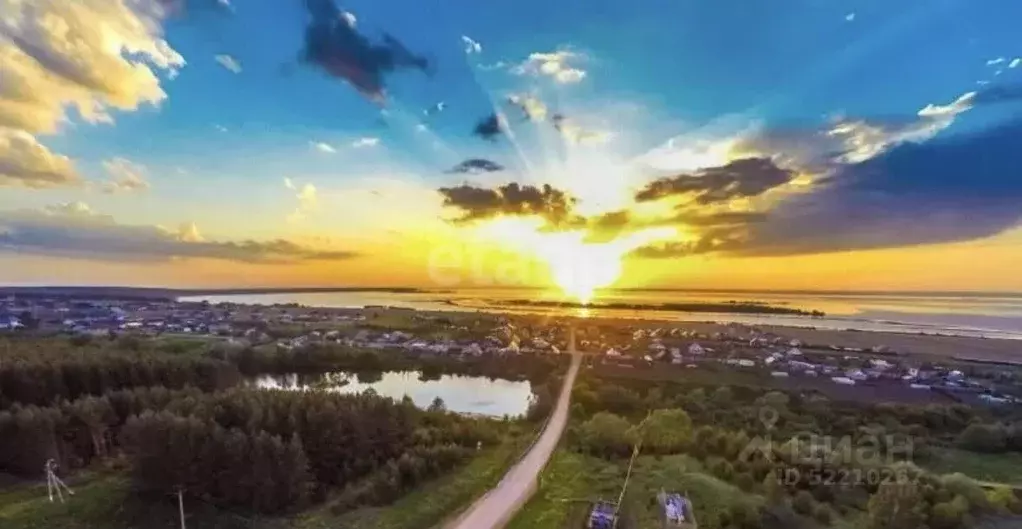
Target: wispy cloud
[(322, 147), (125, 176), (364, 142), (995, 62), (228, 62), (350, 19), (1015, 63), (308, 200), (576, 134), (556, 65), (850, 17), (471, 46), (75, 230), (532, 106)]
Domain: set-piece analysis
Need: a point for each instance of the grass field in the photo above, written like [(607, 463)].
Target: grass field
[(999, 468), (572, 480)]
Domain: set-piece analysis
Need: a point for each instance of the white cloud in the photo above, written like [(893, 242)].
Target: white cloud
[(995, 62), (228, 62), (532, 106), (1015, 63), (963, 103), (24, 161), (322, 147), (308, 200), (850, 17), (349, 18), (219, 127), (421, 127), (365, 142), (863, 140), (555, 65), (189, 232), (576, 134), (471, 46), (125, 176), (89, 55)]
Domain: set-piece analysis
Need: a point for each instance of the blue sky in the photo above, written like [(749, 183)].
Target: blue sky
[(214, 150)]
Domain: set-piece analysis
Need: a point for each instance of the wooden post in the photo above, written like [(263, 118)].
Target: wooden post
[(181, 507)]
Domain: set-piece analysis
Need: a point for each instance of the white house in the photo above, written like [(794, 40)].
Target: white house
[(844, 381)]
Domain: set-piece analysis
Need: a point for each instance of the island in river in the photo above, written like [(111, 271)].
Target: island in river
[(741, 307)]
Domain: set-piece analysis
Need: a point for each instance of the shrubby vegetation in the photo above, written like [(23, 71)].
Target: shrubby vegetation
[(808, 457)]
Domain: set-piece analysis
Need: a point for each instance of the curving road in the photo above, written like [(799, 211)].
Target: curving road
[(496, 508)]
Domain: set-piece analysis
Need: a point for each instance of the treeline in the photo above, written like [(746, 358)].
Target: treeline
[(263, 450), (741, 307), (790, 413), (51, 374), (316, 358)]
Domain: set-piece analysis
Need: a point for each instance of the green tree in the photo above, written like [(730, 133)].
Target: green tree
[(990, 438), (607, 435), (666, 431)]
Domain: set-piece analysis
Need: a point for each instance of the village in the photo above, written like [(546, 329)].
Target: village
[(852, 372)]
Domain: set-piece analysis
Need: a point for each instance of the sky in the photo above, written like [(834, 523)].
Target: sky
[(810, 144)]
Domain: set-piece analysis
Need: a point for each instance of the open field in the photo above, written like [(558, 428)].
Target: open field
[(573, 480)]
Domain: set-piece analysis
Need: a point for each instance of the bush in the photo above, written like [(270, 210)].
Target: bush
[(988, 438), (606, 435), (947, 515), (745, 481), (803, 503), (964, 486), (823, 514)]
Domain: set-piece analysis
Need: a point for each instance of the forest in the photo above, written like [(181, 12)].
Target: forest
[(812, 461), (178, 421)]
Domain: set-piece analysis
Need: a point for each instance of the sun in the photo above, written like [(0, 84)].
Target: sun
[(577, 268)]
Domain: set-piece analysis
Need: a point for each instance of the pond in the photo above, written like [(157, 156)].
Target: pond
[(462, 394)]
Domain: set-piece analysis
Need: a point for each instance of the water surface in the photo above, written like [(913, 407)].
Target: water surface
[(462, 394)]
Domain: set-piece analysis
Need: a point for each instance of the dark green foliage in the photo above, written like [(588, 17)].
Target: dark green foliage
[(803, 503), (607, 435), (47, 371), (978, 437), (182, 453)]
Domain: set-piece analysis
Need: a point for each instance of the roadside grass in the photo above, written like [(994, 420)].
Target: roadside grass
[(567, 485), (432, 502), (999, 468)]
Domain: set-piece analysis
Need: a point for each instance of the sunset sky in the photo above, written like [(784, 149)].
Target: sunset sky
[(808, 144)]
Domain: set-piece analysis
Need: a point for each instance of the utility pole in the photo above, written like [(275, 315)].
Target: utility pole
[(54, 483), (181, 507)]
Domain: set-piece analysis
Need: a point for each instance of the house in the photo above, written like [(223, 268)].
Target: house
[(696, 349), (10, 322), (844, 381)]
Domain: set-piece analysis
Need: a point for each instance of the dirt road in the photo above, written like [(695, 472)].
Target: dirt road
[(496, 508)]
